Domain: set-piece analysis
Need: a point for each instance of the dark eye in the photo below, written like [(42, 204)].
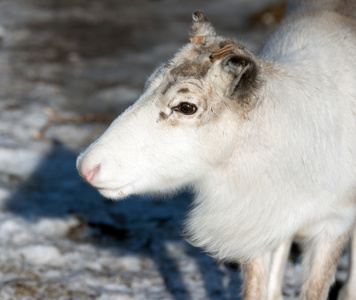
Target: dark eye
[(186, 108)]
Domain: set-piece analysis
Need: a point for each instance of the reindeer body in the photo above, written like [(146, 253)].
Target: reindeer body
[(294, 164), (268, 144)]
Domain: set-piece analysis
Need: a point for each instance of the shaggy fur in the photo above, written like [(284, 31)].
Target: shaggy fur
[(270, 151)]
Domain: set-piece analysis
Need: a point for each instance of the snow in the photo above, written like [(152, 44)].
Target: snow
[(26, 161), (58, 238), (41, 255)]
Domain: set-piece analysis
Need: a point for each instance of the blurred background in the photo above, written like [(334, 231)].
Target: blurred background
[(67, 69)]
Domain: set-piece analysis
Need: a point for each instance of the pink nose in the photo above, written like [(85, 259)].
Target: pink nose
[(89, 173)]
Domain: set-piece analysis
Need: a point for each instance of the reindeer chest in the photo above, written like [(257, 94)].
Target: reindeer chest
[(230, 229)]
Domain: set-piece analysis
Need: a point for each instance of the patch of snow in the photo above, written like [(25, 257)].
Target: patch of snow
[(54, 227), (21, 162), (4, 194), (41, 255)]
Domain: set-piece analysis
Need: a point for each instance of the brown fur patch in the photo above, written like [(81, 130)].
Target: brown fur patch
[(162, 116), (183, 91), (195, 61), (193, 68)]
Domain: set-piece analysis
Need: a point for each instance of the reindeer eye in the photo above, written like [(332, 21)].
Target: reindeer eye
[(186, 108)]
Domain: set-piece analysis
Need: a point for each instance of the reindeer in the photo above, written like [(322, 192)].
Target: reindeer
[(267, 143)]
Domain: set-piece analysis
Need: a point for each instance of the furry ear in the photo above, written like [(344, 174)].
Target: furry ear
[(200, 28), (243, 71)]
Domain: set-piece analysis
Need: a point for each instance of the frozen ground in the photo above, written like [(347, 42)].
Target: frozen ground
[(58, 238)]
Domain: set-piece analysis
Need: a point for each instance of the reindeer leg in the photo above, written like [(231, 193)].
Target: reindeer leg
[(276, 271), (263, 276), (348, 292), (255, 278), (321, 255)]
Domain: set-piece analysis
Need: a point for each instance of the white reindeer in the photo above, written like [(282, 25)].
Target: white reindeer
[(267, 142)]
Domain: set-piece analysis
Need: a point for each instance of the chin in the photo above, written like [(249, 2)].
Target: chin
[(115, 194)]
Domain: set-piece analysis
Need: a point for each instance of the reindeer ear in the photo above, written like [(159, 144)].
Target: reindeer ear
[(200, 28), (243, 71)]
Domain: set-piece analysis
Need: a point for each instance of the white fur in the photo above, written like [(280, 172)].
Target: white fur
[(286, 169), (349, 290)]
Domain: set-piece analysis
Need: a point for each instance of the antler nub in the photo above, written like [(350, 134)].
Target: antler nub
[(201, 28), (199, 16), (199, 40), (221, 53)]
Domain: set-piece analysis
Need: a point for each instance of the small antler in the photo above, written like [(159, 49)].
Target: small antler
[(199, 16), (200, 28), (221, 53)]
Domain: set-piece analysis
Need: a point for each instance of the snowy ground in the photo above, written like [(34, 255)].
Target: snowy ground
[(58, 238)]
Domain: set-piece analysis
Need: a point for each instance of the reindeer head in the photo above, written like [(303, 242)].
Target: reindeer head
[(184, 125)]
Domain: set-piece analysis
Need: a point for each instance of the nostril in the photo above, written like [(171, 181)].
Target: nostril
[(89, 174)]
